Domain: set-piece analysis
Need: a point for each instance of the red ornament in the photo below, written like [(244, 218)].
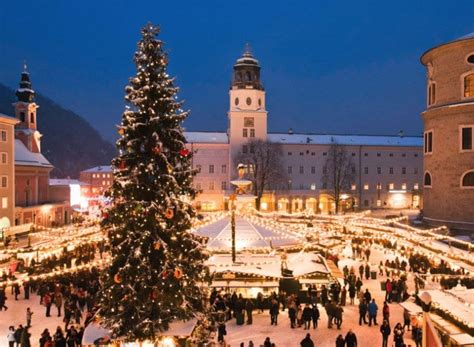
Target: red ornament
[(105, 215), (184, 152), (165, 274), (122, 165), (157, 150)]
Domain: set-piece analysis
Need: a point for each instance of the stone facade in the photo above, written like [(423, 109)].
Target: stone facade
[(448, 151)]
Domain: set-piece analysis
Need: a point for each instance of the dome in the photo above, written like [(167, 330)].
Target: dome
[(469, 36)]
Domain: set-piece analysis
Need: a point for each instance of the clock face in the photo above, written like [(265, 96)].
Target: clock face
[(249, 101), (236, 101)]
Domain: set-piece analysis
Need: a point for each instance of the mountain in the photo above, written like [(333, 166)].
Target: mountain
[(69, 142)]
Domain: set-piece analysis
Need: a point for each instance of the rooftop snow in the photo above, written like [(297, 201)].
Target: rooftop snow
[(206, 137), (64, 182), (354, 140), (24, 157), (100, 168)]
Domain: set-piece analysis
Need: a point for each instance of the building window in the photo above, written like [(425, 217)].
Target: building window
[(467, 180), (290, 153), (4, 136), (416, 155), (301, 186), (428, 143), (366, 186), (366, 203), (415, 171), (224, 185), (249, 122), (353, 154), (251, 148), (103, 176), (4, 181), (404, 186), (290, 169), (366, 170), (404, 170), (325, 154), (252, 132), (249, 100), (211, 169), (416, 186), (198, 168), (353, 169), (390, 170), (224, 169), (390, 155), (353, 187), (22, 116), (4, 157), (4, 202), (245, 149), (404, 155), (313, 154), (469, 85), (301, 169), (32, 118), (245, 132), (313, 186), (366, 154), (427, 180), (379, 170), (466, 138), (470, 59), (211, 185), (391, 186), (431, 93), (301, 153), (378, 154), (313, 169), (236, 101)]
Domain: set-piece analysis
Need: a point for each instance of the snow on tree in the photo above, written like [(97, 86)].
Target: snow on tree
[(157, 264)]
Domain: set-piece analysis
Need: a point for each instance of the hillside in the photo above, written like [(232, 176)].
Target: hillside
[(69, 142)]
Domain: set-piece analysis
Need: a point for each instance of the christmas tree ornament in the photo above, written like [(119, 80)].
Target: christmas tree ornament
[(121, 131), (122, 165), (184, 152), (164, 274), (169, 213), (178, 273), (170, 169), (157, 149), (157, 245), (117, 279)]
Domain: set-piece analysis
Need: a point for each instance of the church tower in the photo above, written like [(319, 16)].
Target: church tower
[(247, 114), (25, 112)]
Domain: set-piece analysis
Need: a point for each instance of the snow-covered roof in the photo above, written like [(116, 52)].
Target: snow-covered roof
[(354, 140), (100, 168), (8, 117), (64, 182), (206, 137), (24, 157), (248, 235)]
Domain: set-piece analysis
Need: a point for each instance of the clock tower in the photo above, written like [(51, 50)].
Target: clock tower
[(247, 113)]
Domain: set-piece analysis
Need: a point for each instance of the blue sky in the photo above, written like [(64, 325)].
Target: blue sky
[(327, 66)]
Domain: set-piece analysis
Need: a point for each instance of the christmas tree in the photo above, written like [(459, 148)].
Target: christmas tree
[(157, 264)]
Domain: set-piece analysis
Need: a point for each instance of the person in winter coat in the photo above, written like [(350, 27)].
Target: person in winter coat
[(47, 302), (274, 311), (315, 316), (386, 312), (398, 335), (372, 309), (388, 290), (29, 315), (267, 342), (25, 338), (352, 293), (59, 340), (362, 312), (338, 316), (249, 309), (340, 342), (18, 333), (385, 331), (307, 316), (351, 339), (260, 302), (367, 296), (299, 315), (45, 337), (221, 332), (58, 301), (406, 319), (292, 315), (11, 336), (307, 342)]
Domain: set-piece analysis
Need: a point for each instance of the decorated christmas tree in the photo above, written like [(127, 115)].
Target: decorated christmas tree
[(157, 264)]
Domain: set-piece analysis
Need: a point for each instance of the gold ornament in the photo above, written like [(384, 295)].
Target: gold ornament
[(157, 245), (117, 278)]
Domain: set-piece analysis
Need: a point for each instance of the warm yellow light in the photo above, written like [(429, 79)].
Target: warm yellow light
[(167, 342)]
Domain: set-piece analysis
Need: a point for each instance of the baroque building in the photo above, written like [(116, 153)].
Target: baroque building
[(387, 169), (448, 181)]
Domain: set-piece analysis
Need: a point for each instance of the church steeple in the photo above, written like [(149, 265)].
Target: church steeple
[(25, 112), (25, 93), (247, 71)]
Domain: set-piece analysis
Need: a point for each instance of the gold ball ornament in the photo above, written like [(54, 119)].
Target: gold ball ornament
[(117, 278), (157, 245)]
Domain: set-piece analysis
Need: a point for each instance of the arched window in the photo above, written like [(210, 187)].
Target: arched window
[(427, 180), (32, 118), (248, 76), (431, 93), (467, 179), (22, 116), (469, 85)]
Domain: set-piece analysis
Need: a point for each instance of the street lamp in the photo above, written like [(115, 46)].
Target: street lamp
[(425, 299)]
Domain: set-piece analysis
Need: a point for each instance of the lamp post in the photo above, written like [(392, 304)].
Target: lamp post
[(232, 224), (425, 298)]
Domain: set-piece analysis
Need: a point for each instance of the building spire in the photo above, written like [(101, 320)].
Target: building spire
[(247, 50), (25, 93)]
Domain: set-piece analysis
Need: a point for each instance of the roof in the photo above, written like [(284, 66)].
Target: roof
[(24, 157), (9, 119), (65, 182), (206, 137), (354, 140), (100, 168), (317, 139), (462, 38)]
